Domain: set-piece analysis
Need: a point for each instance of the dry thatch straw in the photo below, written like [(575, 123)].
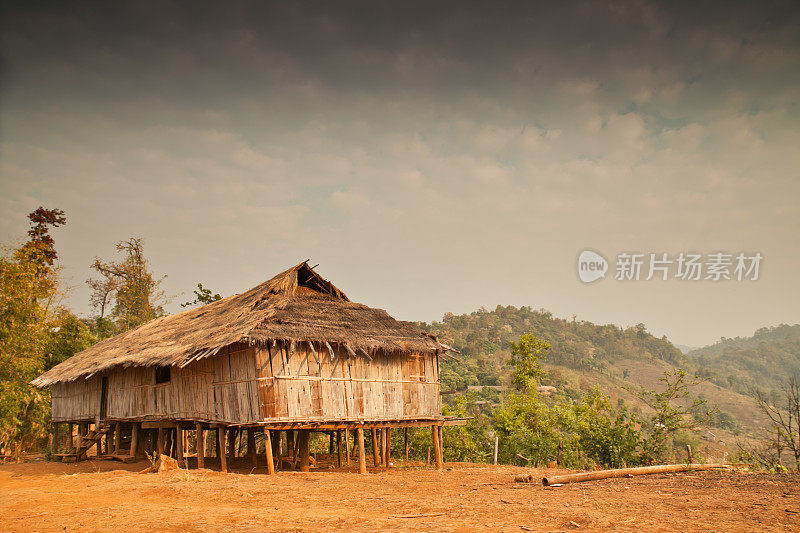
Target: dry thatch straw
[(296, 305)]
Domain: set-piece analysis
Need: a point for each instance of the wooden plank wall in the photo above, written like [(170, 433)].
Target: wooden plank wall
[(76, 400), (280, 382), (311, 382)]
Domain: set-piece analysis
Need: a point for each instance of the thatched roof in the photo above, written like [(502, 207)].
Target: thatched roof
[(296, 305)]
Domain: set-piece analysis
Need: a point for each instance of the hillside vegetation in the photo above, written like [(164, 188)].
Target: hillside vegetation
[(763, 361), (620, 362)]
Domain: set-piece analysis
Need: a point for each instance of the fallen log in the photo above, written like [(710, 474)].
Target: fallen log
[(624, 472)]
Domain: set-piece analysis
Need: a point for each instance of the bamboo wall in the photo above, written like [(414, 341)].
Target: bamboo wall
[(293, 382)]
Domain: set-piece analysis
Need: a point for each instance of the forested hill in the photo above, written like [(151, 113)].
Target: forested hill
[(764, 361), (483, 338)]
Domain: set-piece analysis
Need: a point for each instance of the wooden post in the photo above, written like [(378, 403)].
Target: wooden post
[(179, 445), (405, 442), (339, 448), (362, 457), (376, 456), (441, 442), (70, 442), (268, 452), (200, 444), (347, 447), (388, 446), (79, 439), (275, 437), (437, 450), (689, 454), (118, 438), (290, 443), (251, 446), (496, 445), (231, 444), (222, 434), (134, 440), (160, 442), (331, 443), (302, 449)]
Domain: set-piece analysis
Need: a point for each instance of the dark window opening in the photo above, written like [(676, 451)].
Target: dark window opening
[(162, 374)]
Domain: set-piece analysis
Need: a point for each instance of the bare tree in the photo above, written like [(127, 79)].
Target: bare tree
[(130, 284), (784, 413)]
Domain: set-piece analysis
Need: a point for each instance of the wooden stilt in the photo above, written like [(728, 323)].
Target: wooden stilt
[(134, 451), (70, 442), (290, 443), (223, 456), (179, 445), (231, 444), (303, 449), (441, 442), (376, 456), (388, 455), (160, 442), (118, 438), (275, 436), (405, 441), (362, 457), (339, 448), (200, 444), (251, 446), (437, 450), (347, 447), (268, 452), (79, 440), (331, 443)]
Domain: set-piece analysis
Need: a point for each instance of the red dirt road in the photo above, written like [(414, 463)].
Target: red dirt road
[(108, 496)]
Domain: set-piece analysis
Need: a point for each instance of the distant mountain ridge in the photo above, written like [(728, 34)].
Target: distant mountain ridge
[(763, 361)]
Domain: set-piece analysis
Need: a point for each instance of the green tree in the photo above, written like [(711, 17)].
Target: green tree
[(202, 296), (525, 354), (28, 311), (674, 407)]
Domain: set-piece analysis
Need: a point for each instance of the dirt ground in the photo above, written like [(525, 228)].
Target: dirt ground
[(108, 496)]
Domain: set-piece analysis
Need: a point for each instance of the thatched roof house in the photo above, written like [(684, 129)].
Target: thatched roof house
[(293, 352)]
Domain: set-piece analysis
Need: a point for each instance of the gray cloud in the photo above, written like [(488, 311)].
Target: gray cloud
[(433, 158)]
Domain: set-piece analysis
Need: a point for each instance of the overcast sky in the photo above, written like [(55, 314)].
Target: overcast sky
[(432, 157)]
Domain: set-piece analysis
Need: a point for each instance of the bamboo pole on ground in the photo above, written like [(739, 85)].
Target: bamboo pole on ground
[(362, 457), (221, 451), (437, 449), (303, 449), (376, 457), (200, 444), (619, 472), (268, 452)]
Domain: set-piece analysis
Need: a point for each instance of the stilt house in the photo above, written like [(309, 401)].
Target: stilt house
[(292, 354)]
